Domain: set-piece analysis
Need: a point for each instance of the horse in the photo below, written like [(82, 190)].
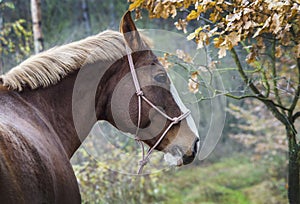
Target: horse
[(43, 120)]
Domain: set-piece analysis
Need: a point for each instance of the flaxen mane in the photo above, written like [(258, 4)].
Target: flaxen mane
[(51, 66)]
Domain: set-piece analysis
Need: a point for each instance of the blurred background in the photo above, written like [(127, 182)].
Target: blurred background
[(248, 165)]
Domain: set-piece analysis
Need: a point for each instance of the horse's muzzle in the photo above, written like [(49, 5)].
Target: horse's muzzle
[(187, 159)]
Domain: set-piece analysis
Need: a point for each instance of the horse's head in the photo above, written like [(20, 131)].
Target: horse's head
[(180, 140)]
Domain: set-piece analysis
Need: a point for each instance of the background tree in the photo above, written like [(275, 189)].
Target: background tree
[(263, 38), (1, 28), (37, 25), (86, 16)]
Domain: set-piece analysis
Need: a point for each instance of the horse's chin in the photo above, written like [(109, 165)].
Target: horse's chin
[(173, 160)]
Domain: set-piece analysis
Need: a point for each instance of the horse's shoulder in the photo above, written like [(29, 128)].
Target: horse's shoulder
[(21, 154)]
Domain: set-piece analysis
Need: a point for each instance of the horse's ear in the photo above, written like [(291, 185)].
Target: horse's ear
[(131, 35)]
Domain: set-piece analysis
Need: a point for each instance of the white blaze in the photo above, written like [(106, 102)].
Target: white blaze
[(176, 160), (183, 108)]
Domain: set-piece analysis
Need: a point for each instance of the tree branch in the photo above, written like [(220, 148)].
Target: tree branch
[(243, 74), (256, 97), (295, 116), (265, 80), (269, 103), (296, 98), (274, 73)]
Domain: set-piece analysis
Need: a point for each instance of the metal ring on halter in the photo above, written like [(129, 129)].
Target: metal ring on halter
[(140, 95)]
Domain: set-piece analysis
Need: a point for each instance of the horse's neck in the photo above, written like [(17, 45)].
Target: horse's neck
[(74, 105), (54, 103), (72, 114)]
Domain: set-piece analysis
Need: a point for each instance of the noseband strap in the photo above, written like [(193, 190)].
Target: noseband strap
[(141, 96)]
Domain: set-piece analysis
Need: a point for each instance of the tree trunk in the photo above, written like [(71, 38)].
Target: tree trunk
[(1, 48), (86, 16), (112, 15), (36, 15), (293, 177)]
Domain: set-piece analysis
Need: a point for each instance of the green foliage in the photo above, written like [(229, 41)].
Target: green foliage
[(106, 169), (228, 181), (4, 5), (15, 37), (99, 184)]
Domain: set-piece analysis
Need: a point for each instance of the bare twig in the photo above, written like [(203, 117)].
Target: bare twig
[(274, 73), (296, 97), (269, 103), (295, 116)]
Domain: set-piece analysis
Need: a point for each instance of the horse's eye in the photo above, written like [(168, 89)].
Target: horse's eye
[(161, 78)]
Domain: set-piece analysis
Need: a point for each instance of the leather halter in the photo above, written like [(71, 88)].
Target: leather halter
[(140, 95)]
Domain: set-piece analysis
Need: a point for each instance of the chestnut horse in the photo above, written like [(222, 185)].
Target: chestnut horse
[(38, 131)]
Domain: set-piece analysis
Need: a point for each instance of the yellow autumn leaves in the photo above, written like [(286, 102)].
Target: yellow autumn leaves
[(263, 28), (157, 9), (135, 4), (228, 23)]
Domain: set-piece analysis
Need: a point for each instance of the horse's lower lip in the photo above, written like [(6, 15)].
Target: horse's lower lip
[(173, 160), (188, 159)]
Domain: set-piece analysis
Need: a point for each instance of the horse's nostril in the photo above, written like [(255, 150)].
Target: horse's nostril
[(189, 158), (196, 143)]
